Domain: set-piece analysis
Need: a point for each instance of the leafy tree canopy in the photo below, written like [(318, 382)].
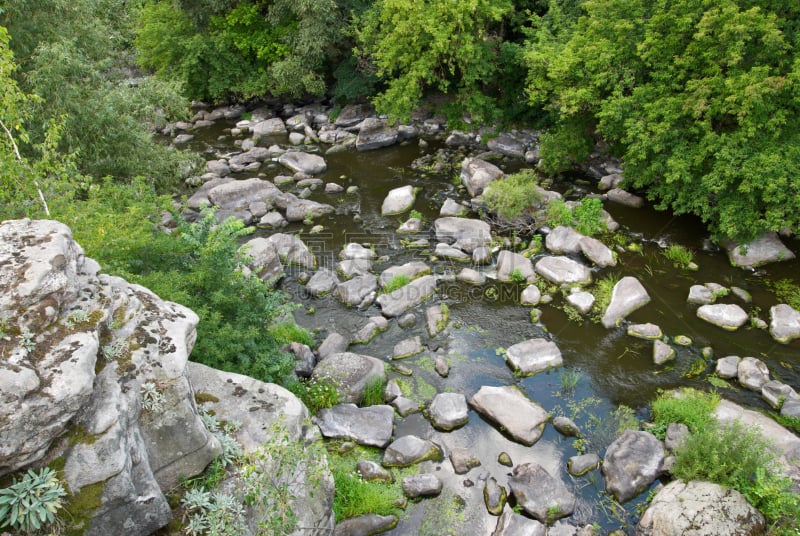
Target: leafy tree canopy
[(698, 96)]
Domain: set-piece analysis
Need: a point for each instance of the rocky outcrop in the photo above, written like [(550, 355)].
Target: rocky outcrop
[(700, 509), (84, 347)]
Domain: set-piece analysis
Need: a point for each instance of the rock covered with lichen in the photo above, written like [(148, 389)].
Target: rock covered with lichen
[(93, 382)]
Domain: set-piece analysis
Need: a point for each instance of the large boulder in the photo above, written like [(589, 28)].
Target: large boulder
[(784, 323), (534, 355), (541, 495), (371, 426), (627, 296), (354, 291), (464, 233), (256, 154), (477, 174), (268, 127), (57, 380), (562, 240), (514, 267), (449, 411), (632, 463), (376, 133), (563, 270), (728, 316), (231, 195), (298, 161), (264, 259), (292, 250), (410, 450), (350, 373), (406, 297), (398, 200), (765, 249), (700, 509), (509, 408)]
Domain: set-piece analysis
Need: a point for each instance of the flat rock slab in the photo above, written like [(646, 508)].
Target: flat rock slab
[(514, 267), (424, 485), (784, 323), (563, 270), (727, 316), (645, 331), (463, 231), (541, 495), (534, 355), (371, 426), (354, 291), (407, 348), (401, 300), (412, 270), (298, 161), (449, 411), (398, 200), (700, 509), (627, 296), (632, 462), (350, 373), (365, 525), (510, 409), (410, 450), (765, 249)]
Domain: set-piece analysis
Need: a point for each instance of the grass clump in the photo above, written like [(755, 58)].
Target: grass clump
[(585, 217), (398, 281), (288, 332), (373, 392), (689, 406), (786, 291), (512, 196), (680, 256), (356, 497), (317, 394)]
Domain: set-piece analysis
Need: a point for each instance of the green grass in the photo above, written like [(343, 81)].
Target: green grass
[(355, 497), (603, 289), (689, 406), (787, 291), (680, 256), (373, 392), (512, 196), (398, 281), (287, 332)]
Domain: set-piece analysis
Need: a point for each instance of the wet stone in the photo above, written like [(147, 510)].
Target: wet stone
[(645, 331), (424, 485), (405, 406), (448, 411), (580, 465), (463, 461), (662, 352), (566, 427), (410, 450), (441, 366), (728, 367), (494, 496)]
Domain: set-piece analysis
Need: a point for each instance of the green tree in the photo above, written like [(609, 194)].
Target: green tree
[(449, 47), (696, 95)]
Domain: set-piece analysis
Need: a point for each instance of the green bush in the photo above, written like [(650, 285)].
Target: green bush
[(512, 196), (317, 394), (586, 217), (373, 392), (398, 281), (680, 256), (689, 406), (355, 497), (31, 503)]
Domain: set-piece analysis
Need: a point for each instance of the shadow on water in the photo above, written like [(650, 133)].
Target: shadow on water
[(612, 368)]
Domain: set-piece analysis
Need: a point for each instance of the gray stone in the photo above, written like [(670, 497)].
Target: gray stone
[(700, 509), (728, 367), (218, 167), (597, 252), (727, 316), (354, 251), (507, 145), (763, 250), (784, 323), (539, 494), (481, 255), (628, 295), (371, 426), (373, 472), (405, 406), (407, 348), (322, 283), (504, 459), (350, 373), (354, 267), (468, 275), (752, 373), (791, 409), (451, 207), (333, 188), (353, 114), (304, 359), (775, 393), (531, 295), (401, 300), (411, 225), (609, 181), (467, 234), (463, 461), (374, 325), (310, 164), (682, 340), (513, 524), (494, 496), (353, 292), (436, 318), (375, 133), (292, 250), (514, 267), (534, 355), (662, 352), (477, 174), (268, 127), (398, 200), (676, 435), (620, 196), (632, 462), (448, 411), (447, 251), (563, 270), (565, 426), (645, 331), (407, 320), (410, 450), (563, 239), (391, 391), (441, 366), (265, 261), (304, 209), (411, 270), (508, 407), (256, 154), (580, 465), (365, 525), (742, 294), (232, 195), (581, 300), (295, 138), (334, 343), (424, 485)]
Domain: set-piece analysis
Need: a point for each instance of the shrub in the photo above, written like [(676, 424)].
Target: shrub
[(586, 217), (689, 406), (32, 502), (512, 196), (373, 392), (517, 276), (680, 256), (319, 394)]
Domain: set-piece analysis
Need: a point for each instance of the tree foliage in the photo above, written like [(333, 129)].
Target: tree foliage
[(696, 95)]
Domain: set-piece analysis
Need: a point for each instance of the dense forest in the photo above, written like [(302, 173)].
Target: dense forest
[(699, 99)]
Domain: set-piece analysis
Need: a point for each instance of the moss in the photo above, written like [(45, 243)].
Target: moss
[(202, 398), (80, 508), (78, 435)]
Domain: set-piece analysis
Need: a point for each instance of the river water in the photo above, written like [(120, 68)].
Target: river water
[(611, 367)]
